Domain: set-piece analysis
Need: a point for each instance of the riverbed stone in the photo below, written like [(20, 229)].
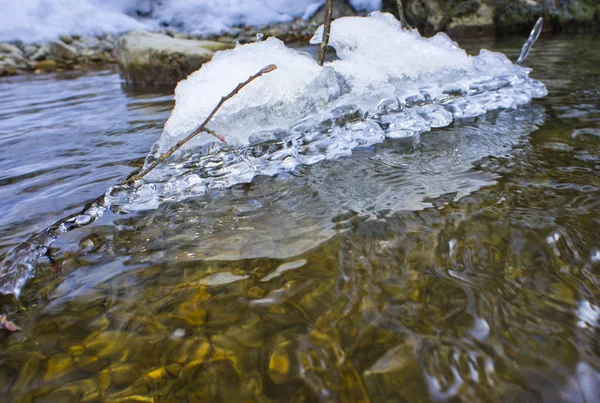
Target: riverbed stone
[(57, 366), (124, 375), (154, 60), (63, 51)]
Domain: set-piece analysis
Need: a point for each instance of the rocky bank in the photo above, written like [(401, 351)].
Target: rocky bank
[(65, 53), (169, 63), (472, 17)]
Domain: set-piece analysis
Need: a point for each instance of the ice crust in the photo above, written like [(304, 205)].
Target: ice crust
[(273, 101), (387, 83)]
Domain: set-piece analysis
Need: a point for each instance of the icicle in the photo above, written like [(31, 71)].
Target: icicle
[(533, 36)]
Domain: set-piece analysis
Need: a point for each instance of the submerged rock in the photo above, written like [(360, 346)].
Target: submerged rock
[(153, 60)]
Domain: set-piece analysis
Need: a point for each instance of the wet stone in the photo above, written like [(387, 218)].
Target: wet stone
[(124, 375), (76, 351), (57, 366), (196, 359), (63, 51), (192, 314), (7, 48), (41, 53), (256, 292), (279, 366), (66, 39), (90, 42), (157, 374), (46, 65), (174, 370)]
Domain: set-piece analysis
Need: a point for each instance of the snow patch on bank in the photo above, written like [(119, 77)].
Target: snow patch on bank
[(39, 20)]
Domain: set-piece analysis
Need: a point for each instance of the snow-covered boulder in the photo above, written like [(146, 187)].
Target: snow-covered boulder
[(152, 60)]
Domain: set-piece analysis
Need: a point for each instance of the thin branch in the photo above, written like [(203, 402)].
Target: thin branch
[(202, 127), (402, 16), (326, 32), (214, 133), (8, 325)]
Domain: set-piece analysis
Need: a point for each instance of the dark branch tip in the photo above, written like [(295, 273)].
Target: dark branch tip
[(268, 69)]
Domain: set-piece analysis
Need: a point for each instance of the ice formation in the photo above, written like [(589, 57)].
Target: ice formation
[(387, 83), (296, 88)]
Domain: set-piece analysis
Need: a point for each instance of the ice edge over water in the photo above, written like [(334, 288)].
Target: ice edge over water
[(387, 83)]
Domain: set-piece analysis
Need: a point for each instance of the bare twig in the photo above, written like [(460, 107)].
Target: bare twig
[(8, 325), (326, 32), (214, 133), (402, 16), (202, 127)]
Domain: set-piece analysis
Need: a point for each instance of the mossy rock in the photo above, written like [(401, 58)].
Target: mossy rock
[(155, 60), (46, 65)]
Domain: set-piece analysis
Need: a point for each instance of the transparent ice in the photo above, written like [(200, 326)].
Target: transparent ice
[(387, 83)]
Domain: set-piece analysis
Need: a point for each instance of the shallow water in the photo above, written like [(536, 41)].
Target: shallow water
[(461, 266)]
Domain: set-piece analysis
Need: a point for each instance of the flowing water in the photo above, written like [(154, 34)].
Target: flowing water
[(462, 265)]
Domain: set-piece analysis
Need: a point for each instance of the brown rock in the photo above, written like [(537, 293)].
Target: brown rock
[(46, 65), (153, 60), (63, 51), (66, 39)]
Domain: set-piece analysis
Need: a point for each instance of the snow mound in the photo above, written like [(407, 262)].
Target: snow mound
[(381, 69), (298, 87), (387, 83), (375, 50)]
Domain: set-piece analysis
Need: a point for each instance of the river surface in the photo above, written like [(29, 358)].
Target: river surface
[(464, 266)]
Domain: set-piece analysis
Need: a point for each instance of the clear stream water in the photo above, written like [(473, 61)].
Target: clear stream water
[(460, 266)]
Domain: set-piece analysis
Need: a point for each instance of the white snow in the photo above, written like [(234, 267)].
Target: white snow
[(373, 50), (209, 16), (366, 5), (298, 86), (38, 20)]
